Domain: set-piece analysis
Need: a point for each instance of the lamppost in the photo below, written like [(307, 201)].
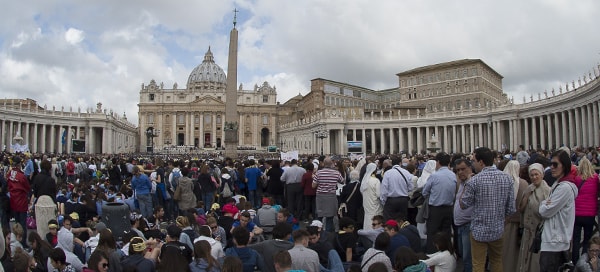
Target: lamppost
[(321, 133), (281, 145), (150, 136)]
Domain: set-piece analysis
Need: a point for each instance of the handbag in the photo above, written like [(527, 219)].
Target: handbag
[(30, 222), (536, 244), (227, 191), (177, 195)]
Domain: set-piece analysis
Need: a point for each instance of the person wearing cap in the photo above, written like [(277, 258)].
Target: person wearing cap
[(18, 187), (266, 216), (440, 188), (293, 188), (229, 211), (397, 240)]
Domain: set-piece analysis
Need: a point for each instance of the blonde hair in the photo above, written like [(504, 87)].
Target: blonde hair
[(585, 169), (17, 229), (182, 221)]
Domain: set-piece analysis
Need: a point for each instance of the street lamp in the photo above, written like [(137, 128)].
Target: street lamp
[(321, 133)]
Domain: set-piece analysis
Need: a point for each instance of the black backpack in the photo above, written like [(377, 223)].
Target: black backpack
[(191, 233)]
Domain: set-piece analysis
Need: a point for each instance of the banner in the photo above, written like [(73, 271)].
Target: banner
[(289, 156), (19, 148), (358, 157)]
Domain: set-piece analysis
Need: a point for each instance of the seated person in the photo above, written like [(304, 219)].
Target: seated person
[(346, 240)]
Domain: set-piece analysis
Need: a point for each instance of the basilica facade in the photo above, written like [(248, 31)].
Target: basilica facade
[(194, 116)]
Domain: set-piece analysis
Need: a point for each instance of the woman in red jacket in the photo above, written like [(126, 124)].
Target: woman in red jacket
[(585, 207)]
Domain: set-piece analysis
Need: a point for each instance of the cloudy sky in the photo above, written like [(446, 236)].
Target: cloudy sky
[(78, 53)]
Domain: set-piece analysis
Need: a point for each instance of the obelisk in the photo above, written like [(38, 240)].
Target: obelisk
[(231, 114)]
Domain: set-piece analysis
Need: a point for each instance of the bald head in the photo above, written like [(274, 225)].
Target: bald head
[(328, 162)]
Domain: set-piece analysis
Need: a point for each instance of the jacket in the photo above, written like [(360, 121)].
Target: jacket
[(44, 184), (18, 187), (188, 198), (559, 215), (585, 203), (201, 265)]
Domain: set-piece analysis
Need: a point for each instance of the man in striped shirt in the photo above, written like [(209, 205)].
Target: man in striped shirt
[(326, 180)]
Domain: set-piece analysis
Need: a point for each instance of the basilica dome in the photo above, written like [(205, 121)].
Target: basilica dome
[(207, 73)]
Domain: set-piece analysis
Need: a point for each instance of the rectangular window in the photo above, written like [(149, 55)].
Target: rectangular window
[(265, 119), (180, 119), (265, 99), (151, 97)]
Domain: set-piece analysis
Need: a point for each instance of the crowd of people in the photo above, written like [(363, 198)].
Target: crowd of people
[(523, 211)]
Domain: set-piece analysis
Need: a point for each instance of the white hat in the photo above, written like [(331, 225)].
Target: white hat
[(316, 223)]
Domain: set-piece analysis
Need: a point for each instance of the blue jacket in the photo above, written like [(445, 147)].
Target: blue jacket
[(141, 184)]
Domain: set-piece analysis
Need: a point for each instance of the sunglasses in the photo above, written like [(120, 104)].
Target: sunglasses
[(104, 265), (554, 164)]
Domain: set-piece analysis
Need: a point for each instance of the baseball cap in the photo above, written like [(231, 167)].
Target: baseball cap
[(265, 200), (391, 223), (229, 208), (316, 223)]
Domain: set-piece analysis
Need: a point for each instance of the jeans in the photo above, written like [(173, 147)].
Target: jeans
[(21, 218), (145, 202), (464, 245), (551, 261), (328, 221), (586, 223), (493, 250), (208, 198), (253, 198)]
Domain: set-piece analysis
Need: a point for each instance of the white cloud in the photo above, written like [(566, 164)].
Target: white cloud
[(109, 50), (74, 36)]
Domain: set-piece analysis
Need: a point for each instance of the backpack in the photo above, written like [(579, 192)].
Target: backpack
[(70, 167), (172, 185), (194, 174), (191, 233)]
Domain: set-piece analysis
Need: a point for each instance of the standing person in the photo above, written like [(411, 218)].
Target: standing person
[(395, 187), (440, 188), (252, 176), (310, 193), (208, 187), (275, 186), (293, 187), (522, 156), (370, 190), (326, 180), (462, 218), (18, 187), (184, 194), (511, 238), (43, 183), (351, 198), (585, 207), (490, 193), (114, 175), (558, 211), (536, 192), (141, 185)]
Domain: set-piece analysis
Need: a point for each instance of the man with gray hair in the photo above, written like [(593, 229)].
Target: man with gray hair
[(292, 177)]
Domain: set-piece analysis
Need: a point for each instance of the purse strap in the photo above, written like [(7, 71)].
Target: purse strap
[(351, 194), (372, 256)]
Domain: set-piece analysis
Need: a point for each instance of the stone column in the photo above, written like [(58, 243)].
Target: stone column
[(455, 147), (583, 125), (591, 129), (559, 130), (534, 133), (44, 138), (35, 138), (526, 134), (69, 140), (463, 139), (363, 139), (52, 137), (92, 139), (174, 129), (3, 135), (392, 141), (575, 128), (595, 124), (427, 137), (446, 140), (213, 138), (472, 137), (419, 140), (409, 148), (565, 139), (480, 128), (373, 141), (104, 147), (400, 139), (549, 130), (542, 132)]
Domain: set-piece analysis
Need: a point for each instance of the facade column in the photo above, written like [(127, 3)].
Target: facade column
[(463, 139), (409, 148), (511, 133), (589, 126), (526, 134), (534, 133), (35, 138), (542, 132), (480, 128), (92, 140), (419, 140), (59, 139), (565, 139), (595, 125), (26, 134), (549, 130), (363, 139), (392, 142), (201, 130), (580, 113), (573, 127), (52, 137), (373, 142), (400, 139), (577, 132), (69, 140), (44, 138), (382, 139), (454, 139), (174, 129), (436, 130), (3, 135), (427, 137), (472, 137), (446, 139), (213, 138), (558, 130)]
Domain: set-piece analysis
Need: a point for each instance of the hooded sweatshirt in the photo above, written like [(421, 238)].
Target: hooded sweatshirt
[(558, 211), (216, 248), (65, 242), (201, 265), (250, 258)]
